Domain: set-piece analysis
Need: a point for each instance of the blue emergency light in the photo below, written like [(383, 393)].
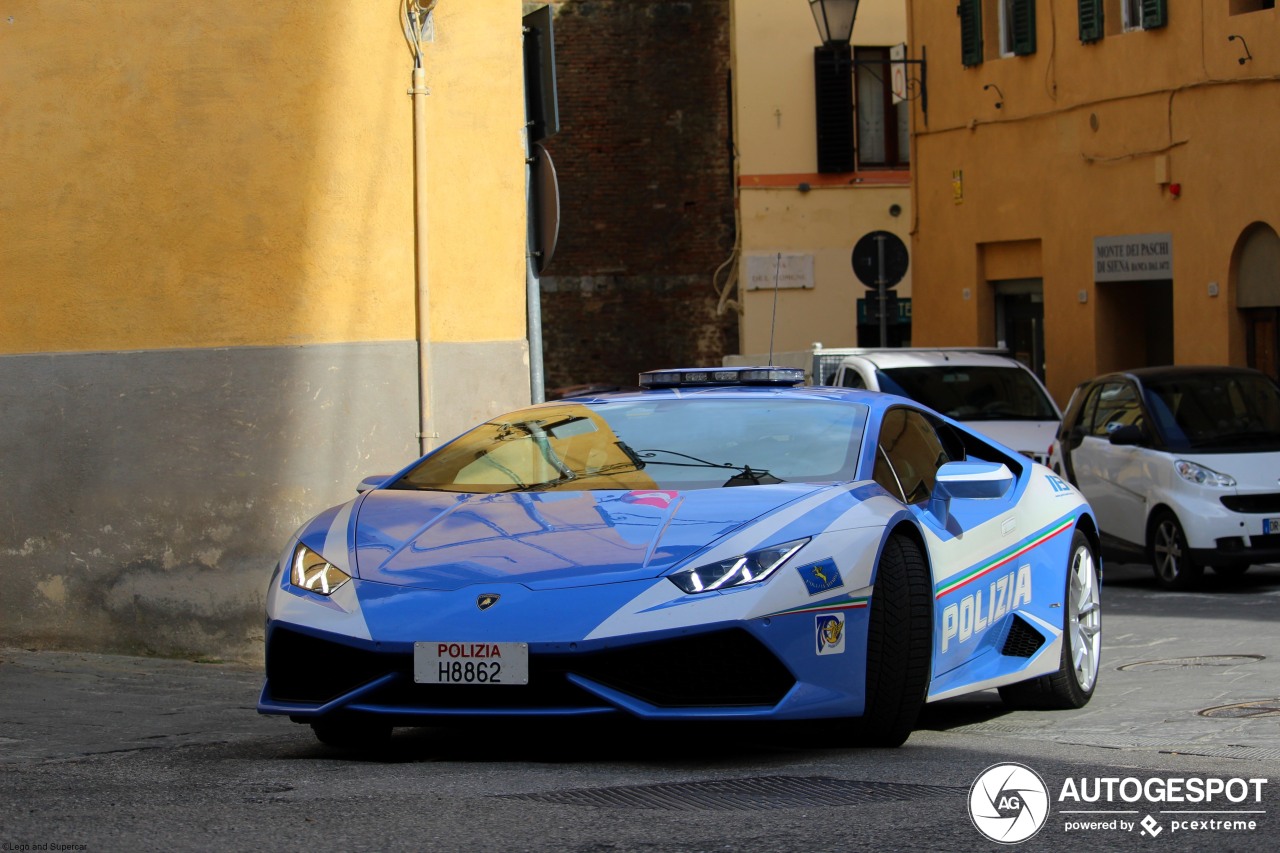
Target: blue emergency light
[(705, 377)]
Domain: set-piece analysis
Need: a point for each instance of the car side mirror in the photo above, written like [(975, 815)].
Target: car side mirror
[(972, 480), (371, 482), (1127, 436)]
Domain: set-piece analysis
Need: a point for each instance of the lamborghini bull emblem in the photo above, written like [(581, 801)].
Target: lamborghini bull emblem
[(487, 600)]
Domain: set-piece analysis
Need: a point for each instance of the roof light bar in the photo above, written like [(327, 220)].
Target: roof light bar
[(703, 377)]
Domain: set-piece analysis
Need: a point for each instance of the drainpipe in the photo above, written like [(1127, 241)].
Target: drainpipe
[(426, 427), (416, 17), (532, 285)]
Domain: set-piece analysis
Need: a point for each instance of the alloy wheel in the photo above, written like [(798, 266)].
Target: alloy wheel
[(1085, 618), (1168, 546)]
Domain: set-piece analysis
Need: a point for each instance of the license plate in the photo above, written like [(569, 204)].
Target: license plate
[(471, 663), (1271, 525)]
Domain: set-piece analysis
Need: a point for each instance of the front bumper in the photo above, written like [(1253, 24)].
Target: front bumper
[(713, 658), (310, 677), (1230, 528)]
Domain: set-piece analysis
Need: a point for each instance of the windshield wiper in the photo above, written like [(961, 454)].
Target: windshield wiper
[(745, 476)]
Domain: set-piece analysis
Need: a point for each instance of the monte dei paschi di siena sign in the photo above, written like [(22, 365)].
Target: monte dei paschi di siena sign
[(1135, 257)]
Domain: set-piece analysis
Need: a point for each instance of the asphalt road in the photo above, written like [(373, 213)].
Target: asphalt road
[(103, 752)]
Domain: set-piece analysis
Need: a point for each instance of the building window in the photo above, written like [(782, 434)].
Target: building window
[(1091, 20), (1241, 7), (1144, 14), (883, 126), (1017, 27), (970, 13)]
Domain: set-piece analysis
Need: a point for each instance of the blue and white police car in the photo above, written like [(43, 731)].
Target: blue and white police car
[(720, 545)]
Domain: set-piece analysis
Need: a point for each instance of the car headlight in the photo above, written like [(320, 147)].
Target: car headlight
[(1200, 475), (313, 572), (748, 568)]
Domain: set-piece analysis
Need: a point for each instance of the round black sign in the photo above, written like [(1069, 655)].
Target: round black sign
[(866, 259)]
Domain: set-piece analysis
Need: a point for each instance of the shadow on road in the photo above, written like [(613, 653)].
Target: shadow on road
[(660, 744), (1139, 576)]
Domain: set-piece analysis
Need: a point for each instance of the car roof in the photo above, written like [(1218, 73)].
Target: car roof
[(1178, 371), (936, 358)]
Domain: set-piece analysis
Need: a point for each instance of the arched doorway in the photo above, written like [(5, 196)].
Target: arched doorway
[(1257, 268)]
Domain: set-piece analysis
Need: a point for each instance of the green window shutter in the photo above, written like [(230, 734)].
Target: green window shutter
[(1090, 21), (1024, 27), (970, 12), (1155, 14)]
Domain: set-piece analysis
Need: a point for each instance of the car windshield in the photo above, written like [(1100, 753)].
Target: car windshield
[(982, 393), (1232, 412), (667, 443)]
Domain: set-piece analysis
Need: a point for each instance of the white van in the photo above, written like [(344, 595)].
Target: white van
[(993, 394)]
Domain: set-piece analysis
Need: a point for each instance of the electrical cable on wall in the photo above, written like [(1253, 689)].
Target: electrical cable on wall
[(415, 17)]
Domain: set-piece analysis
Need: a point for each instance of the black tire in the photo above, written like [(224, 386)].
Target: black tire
[(1073, 684), (353, 734), (1231, 570), (1170, 557), (899, 645)]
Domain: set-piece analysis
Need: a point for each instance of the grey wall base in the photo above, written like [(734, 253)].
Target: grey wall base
[(147, 495)]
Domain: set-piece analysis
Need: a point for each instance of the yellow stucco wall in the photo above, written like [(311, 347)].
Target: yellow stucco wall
[(1075, 153), (774, 121), (241, 173)]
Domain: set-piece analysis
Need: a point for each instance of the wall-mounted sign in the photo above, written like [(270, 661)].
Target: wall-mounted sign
[(899, 310), (898, 72), (794, 271), (1134, 257)]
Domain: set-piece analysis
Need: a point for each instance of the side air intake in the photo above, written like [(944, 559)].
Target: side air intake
[(1022, 641)]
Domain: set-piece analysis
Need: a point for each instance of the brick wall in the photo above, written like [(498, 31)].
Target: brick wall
[(646, 195)]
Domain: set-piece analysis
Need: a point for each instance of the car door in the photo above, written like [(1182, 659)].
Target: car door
[(1110, 476), (910, 450)]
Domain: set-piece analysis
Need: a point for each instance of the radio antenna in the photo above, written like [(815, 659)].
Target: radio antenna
[(773, 322)]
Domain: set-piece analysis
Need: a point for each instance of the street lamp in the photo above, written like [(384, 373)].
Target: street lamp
[(833, 83), (834, 19)]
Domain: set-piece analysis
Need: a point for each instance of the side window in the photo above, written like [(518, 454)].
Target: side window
[(852, 379), (908, 455), (1117, 406), (1089, 410)]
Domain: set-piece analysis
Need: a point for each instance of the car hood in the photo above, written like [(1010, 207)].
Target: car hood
[(1030, 438), (445, 540)]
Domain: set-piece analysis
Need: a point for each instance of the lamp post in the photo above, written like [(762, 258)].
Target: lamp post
[(833, 83)]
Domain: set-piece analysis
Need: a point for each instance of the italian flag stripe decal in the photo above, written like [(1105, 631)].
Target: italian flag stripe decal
[(950, 586), (841, 604)]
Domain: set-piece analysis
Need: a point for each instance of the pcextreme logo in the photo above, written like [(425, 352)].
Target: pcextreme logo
[(1009, 803)]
